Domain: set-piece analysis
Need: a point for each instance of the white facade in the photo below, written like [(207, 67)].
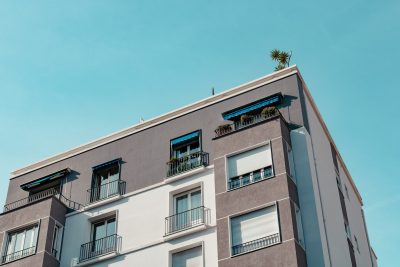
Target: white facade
[(140, 220)]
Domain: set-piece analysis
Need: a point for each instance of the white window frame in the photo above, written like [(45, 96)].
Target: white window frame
[(188, 192), (58, 233), (275, 203), (227, 156), (24, 228), (187, 247)]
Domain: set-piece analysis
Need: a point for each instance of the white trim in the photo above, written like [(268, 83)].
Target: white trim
[(159, 120), (187, 247), (183, 175)]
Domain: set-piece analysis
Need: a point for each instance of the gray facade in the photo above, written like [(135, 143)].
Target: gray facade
[(145, 149)]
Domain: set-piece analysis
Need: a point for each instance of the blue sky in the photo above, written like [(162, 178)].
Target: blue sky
[(73, 71)]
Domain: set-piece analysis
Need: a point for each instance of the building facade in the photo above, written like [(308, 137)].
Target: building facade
[(248, 177)]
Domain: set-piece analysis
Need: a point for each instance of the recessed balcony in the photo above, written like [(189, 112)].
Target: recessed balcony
[(247, 120), (186, 163), (18, 255), (97, 248), (256, 244), (106, 190), (186, 220)]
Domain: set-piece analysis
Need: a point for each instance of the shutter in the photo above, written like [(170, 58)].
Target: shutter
[(188, 258), (249, 161), (254, 225)]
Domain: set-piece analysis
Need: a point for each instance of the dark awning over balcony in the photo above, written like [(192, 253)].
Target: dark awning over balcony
[(45, 180), (184, 138), (108, 163), (273, 100)]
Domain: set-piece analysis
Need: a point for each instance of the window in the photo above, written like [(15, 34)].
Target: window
[(299, 224), (186, 145), (188, 211), (188, 258), (249, 167), (20, 244), (255, 230), (292, 173), (57, 239), (105, 182)]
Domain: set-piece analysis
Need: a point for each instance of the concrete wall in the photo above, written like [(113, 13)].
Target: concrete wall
[(44, 213), (280, 189), (141, 224)]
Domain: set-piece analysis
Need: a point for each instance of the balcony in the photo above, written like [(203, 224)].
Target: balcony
[(250, 178), (104, 191), (100, 247), (18, 255), (52, 192), (186, 220), (256, 244), (247, 121), (192, 161)]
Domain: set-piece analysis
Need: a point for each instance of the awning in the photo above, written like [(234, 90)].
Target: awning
[(184, 138), (269, 101), (46, 179), (108, 163)]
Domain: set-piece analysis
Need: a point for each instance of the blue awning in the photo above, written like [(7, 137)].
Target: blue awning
[(46, 179), (269, 101), (184, 138), (108, 163)]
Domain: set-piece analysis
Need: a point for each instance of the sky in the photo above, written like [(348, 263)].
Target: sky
[(74, 71)]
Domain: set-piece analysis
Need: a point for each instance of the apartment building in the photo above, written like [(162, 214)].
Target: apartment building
[(248, 177)]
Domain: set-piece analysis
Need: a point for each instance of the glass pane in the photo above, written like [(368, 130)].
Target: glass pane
[(19, 241), (99, 231), (28, 238), (181, 204), (195, 199), (11, 244), (111, 227)]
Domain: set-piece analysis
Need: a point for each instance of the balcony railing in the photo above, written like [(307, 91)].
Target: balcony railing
[(107, 190), (99, 247), (39, 196), (250, 178), (246, 122), (18, 255), (187, 219), (256, 244), (187, 163)]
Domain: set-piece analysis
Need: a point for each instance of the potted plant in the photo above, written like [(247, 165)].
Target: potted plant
[(245, 118), (223, 128), (268, 112)]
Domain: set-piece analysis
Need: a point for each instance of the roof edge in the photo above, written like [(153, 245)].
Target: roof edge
[(269, 78)]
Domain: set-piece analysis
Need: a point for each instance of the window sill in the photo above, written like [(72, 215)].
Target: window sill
[(98, 259), (187, 231), (102, 202), (197, 170)]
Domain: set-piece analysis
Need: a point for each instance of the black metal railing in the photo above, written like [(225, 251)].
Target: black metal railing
[(107, 190), (100, 247), (52, 192), (187, 219), (256, 244), (54, 252), (246, 122), (249, 178), (187, 163), (18, 254)]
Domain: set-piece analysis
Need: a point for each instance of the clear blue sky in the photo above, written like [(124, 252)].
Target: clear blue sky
[(72, 71)]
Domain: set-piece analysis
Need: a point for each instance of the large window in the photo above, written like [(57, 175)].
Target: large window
[(186, 145), (187, 211), (57, 239), (249, 167), (188, 258), (255, 230), (20, 244), (105, 181)]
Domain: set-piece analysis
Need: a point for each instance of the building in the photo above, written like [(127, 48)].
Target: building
[(249, 177)]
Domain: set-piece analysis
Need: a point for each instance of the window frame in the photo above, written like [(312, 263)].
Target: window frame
[(271, 204), (171, 150), (57, 241), (187, 247), (240, 151), (24, 228)]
